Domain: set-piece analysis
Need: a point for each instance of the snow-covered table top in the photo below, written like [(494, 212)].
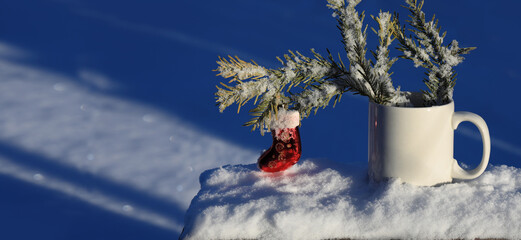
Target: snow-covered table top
[(318, 199)]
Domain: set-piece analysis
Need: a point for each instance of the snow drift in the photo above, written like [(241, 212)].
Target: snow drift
[(318, 199)]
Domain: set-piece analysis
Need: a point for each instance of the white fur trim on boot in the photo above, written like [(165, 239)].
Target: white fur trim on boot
[(285, 119)]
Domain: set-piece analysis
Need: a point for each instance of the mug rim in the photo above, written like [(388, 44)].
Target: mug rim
[(421, 107)]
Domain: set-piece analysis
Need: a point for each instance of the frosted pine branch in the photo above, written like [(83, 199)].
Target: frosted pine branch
[(385, 91), (429, 52), (350, 23), (318, 96), (270, 86), (239, 70), (366, 78), (307, 84), (305, 70)]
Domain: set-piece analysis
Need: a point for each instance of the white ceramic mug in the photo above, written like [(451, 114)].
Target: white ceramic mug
[(416, 144)]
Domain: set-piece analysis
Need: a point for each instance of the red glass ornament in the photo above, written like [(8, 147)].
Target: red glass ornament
[(283, 153)]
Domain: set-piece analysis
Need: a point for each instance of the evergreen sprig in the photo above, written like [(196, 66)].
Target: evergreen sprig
[(272, 88), (367, 78), (307, 84), (426, 49), (239, 70), (318, 93)]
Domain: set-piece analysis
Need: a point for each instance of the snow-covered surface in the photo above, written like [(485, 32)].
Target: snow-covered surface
[(317, 199)]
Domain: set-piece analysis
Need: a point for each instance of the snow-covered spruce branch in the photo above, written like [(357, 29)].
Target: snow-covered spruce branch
[(239, 70), (385, 91), (319, 96), (319, 80), (319, 92), (366, 78), (427, 50), (270, 86)]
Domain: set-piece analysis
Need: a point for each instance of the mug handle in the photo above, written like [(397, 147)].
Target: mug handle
[(457, 171)]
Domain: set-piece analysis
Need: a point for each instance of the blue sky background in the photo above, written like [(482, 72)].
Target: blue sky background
[(161, 54)]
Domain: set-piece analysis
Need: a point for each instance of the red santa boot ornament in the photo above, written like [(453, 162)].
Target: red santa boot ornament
[(286, 148)]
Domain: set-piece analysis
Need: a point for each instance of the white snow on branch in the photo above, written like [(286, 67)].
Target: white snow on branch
[(335, 3), (317, 70), (317, 97), (244, 72), (250, 89)]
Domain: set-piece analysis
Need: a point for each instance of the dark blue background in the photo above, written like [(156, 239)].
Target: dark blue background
[(162, 53)]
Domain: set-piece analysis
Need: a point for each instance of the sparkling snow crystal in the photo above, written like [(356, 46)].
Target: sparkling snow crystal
[(322, 200)]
